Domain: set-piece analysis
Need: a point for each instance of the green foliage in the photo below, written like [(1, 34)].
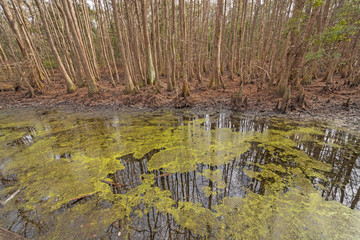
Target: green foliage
[(318, 3), (50, 64), (313, 56), (347, 23)]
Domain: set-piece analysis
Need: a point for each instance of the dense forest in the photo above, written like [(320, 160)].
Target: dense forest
[(93, 144), (284, 44)]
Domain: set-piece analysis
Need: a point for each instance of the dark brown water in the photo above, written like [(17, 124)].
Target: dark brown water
[(176, 175)]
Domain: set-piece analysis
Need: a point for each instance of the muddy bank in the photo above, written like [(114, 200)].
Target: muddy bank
[(340, 102)]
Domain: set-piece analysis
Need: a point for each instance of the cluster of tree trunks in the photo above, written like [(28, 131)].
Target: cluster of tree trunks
[(282, 42)]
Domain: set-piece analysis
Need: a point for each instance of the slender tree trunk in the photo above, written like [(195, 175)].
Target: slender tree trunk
[(167, 47), (90, 39), (155, 48), (19, 39), (5, 60), (184, 62), (103, 41), (234, 26), (135, 42), (172, 45), (290, 49), (150, 65), (70, 87), (92, 86), (129, 84), (215, 79), (158, 40)]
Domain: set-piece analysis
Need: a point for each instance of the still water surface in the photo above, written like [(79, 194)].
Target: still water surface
[(176, 175)]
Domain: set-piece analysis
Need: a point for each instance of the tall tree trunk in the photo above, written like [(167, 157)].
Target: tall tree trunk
[(172, 44), (135, 41), (90, 79), (20, 41), (70, 87), (150, 65), (184, 61), (290, 53), (129, 84), (215, 79), (90, 39), (167, 47), (234, 26)]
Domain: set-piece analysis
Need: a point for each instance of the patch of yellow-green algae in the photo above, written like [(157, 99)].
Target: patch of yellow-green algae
[(298, 213), (290, 215), (188, 146)]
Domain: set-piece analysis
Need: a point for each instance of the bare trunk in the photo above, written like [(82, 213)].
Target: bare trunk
[(92, 86), (184, 65), (150, 65), (215, 79), (129, 84), (70, 87)]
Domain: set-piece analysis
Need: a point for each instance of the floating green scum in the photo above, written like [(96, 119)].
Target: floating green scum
[(170, 175)]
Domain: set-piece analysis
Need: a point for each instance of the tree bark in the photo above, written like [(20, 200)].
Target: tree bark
[(150, 65), (215, 79), (92, 86), (70, 86), (129, 84)]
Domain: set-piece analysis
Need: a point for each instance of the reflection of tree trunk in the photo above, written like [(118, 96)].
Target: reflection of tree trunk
[(177, 187), (168, 224), (182, 186), (187, 177), (225, 176), (194, 187), (229, 181), (211, 188), (149, 225), (337, 178), (350, 166), (356, 199)]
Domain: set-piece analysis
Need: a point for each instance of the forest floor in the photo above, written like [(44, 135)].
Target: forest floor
[(340, 99)]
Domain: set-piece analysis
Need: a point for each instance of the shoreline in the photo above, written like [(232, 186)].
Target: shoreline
[(347, 119), (340, 105)]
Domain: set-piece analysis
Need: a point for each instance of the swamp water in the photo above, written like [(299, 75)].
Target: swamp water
[(176, 175)]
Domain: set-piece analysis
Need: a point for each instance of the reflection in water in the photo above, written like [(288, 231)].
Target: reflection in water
[(177, 176)]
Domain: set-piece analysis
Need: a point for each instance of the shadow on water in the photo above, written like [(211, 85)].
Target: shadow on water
[(177, 176)]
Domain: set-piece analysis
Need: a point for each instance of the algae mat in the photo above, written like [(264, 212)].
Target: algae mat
[(176, 175)]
